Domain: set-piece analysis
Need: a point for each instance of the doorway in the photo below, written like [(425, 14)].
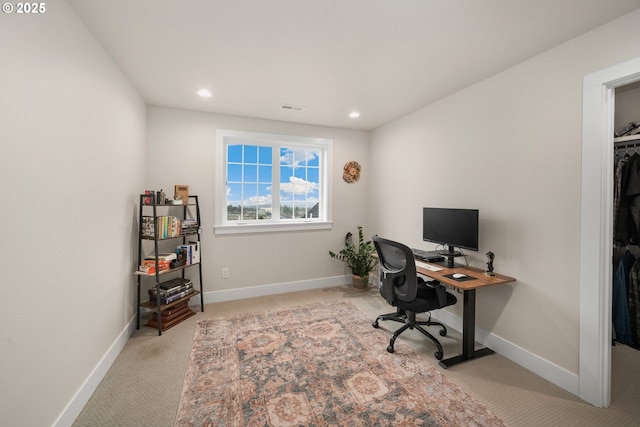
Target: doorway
[(596, 229)]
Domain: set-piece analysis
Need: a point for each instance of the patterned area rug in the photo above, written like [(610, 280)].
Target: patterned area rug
[(315, 365)]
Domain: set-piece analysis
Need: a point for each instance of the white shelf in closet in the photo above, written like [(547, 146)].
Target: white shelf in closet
[(627, 138)]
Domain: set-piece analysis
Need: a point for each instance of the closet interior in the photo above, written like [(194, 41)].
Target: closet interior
[(626, 218)]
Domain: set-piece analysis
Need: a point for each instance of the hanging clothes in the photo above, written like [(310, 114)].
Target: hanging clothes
[(627, 224), (619, 298), (621, 161), (634, 304)]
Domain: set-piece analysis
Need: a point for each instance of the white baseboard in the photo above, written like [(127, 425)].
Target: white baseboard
[(82, 396), (274, 289), (530, 361)]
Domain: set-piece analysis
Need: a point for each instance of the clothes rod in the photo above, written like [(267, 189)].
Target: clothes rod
[(625, 145), (627, 141)]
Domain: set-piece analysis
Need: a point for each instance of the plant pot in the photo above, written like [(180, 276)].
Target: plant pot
[(360, 283)]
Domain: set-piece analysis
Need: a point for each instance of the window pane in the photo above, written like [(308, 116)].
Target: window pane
[(250, 173), (233, 211), (234, 192), (286, 156), (249, 213), (264, 174), (264, 196), (285, 173), (250, 154), (234, 173), (300, 172), (265, 155), (314, 195), (286, 210), (314, 211), (313, 175), (314, 159), (249, 193), (234, 153)]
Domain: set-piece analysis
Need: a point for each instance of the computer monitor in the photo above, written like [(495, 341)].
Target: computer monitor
[(452, 228)]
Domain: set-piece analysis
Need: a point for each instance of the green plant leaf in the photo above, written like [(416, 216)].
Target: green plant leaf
[(360, 258)]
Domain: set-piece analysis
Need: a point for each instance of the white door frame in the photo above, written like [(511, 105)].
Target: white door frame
[(596, 249)]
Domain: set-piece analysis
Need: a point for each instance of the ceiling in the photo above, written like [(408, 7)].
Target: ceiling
[(383, 58)]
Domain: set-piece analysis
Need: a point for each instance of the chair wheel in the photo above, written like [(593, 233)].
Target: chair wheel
[(443, 332), (438, 355), (375, 324), (390, 349)]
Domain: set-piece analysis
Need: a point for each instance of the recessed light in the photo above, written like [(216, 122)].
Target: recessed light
[(354, 114), (205, 93)]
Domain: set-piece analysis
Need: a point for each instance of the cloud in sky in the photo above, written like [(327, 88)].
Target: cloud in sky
[(298, 186), (297, 156)]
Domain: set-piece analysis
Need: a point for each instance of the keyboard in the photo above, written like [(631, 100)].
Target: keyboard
[(429, 267)]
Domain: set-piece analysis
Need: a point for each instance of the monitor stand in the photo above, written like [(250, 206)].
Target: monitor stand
[(450, 254)]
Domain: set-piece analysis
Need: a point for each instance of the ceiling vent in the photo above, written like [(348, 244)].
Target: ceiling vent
[(292, 107)]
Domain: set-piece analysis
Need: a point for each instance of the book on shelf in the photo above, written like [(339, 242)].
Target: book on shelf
[(174, 321), (172, 298), (167, 226), (149, 266), (186, 249), (172, 310), (195, 252), (166, 256), (189, 226), (163, 263), (181, 257), (147, 226), (170, 292), (191, 252), (165, 315), (173, 283)]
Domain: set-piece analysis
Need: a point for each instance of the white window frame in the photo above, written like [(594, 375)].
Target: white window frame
[(226, 137)]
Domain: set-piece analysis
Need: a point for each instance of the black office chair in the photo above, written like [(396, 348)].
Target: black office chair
[(402, 288)]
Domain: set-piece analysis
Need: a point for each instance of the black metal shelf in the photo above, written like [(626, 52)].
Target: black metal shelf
[(145, 207)]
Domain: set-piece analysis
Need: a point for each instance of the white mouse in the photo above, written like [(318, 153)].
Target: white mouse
[(458, 275)]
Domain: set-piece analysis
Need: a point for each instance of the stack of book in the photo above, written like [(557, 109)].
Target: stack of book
[(165, 262), (190, 251), (168, 226), (171, 291), (171, 316), (189, 226)]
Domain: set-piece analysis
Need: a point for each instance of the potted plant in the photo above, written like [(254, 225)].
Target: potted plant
[(359, 258)]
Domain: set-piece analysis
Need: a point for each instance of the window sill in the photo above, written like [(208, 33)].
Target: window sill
[(271, 228)]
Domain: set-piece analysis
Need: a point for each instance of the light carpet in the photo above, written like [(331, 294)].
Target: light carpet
[(315, 365)]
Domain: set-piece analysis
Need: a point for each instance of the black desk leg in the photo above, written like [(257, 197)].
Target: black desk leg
[(468, 333)]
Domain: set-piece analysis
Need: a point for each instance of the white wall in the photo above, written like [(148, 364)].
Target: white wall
[(181, 150), (72, 134), (627, 106), (510, 146)]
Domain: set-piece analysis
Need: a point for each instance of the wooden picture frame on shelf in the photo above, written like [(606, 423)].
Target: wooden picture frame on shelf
[(182, 193)]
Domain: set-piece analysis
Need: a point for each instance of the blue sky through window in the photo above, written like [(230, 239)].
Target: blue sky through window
[(250, 183)]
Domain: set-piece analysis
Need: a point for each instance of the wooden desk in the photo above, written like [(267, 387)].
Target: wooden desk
[(468, 288)]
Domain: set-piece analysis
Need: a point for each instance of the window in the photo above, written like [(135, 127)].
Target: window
[(267, 182)]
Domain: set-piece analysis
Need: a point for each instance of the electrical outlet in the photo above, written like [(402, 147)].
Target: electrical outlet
[(225, 272)]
